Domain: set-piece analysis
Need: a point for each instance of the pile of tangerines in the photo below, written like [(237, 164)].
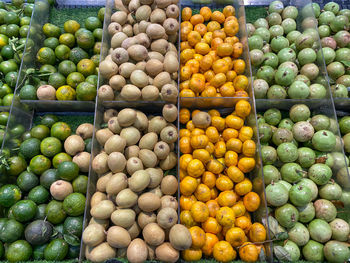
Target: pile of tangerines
[(210, 54), (216, 196)]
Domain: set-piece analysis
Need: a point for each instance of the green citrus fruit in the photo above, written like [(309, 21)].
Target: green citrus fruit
[(60, 130), (51, 30), (65, 92), (71, 26), (57, 80), (9, 195), (62, 52), (50, 146), (60, 158), (68, 171), (86, 91), (39, 164), (46, 55), (67, 39), (66, 67), (74, 204)]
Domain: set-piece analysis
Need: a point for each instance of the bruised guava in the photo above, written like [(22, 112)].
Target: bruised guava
[(320, 230), (320, 122), (265, 132), (268, 154), (282, 135), (299, 112), (299, 234), (325, 210), (287, 215), (272, 116), (293, 250), (303, 131), (276, 194), (300, 195), (340, 229), (306, 213)]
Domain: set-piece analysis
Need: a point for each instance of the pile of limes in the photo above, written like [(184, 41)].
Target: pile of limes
[(71, 58), (14, 27), (42, 195)]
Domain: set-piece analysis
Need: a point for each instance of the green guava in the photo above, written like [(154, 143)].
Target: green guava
[(320, 230), (293, 250), (313, 251), (276, 194), (306, 157), (265, 132), (279, 43), (330, 191), (320, 122), (271, 174), (287, 215), (276, 92), (286, 123), (286, 54), (299, 112), (336, 252), (343, 177), (345, 198), (260, 88), (306, 213), (320, 173), (264, 33), (340, 229), (274, 19), (288, 25), (284, 76), (304, 41), (317, 91), (324, 141), (268, 154), (298, 90), (285, 184), (300, 195), (340, 161), (287, 152), (292, 172), (271, 59), (272, 116), (292, 36), (290, 12), (311, 185), (282, 135)]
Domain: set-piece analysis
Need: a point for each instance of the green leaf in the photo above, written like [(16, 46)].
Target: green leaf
[(346, 63), (282, 236), (273, 224), (281, 253), (71, 239), (262, 256)]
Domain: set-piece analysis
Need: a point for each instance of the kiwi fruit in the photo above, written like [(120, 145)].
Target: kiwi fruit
[(201, 120), (131, 135), (156, 124), (97, 197), (148, 141), (118, 237), (148, 158), (153, 234), (102, 182), (126, 117), (103, 135), (131, 151), (116, 183), (134, 164), (113, 125), (156, 176), (169, 185), (126, 198), (123, 217), (169, 134), (116, 162), (168, 201), (148, 202), (145, 218), (110, 113), (167, 217)]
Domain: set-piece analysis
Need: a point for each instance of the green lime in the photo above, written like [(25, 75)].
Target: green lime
[(73, 226), (39, 164), (26, 135), (3, 220), (66, 67), (98, 33), (40, 132), (68, 170), (59, 158), (7, 100), (74, 204), (7, 52), (23, 30), (96, 59), (101, 14), (65, 92), (51, 42), (28, 92), (39, 195), (56, 250), (11, 78), (46, 68), (17, 165), (50, 146), (51, 30), (40, 212), (57, 80), (74, 79), (9, 195), (97, 48), (86, 91), (61, 130), (91, 23), (28, 9), (3, 30), (25, 21), (77, 54), (46, 55), (80, 184), (4, 117), (30, 148), (8, 66), (12, 30), (11, 231), (4, 40), (73, 252), (3, 12), (27, 180), (62, 52), (17, 3), (4, 90), (71, 26), (86, 67), (38, 252), (49, 119), (92, 79), (88, 144), (24, 210), (11, 18), (55, 213), (49, 177), (67, 39), (17, 131), (85, 39), (18, 251)]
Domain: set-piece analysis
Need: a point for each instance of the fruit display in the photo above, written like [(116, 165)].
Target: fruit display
[(67, 62), (306, 180), (134, 208), (14, 27), (42, 199), (217, 196), (211, 63), (333, 28), (142, 63), (286, 62)]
